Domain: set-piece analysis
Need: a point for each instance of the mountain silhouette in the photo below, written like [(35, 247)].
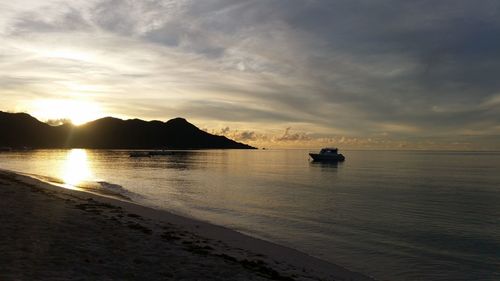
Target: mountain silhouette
[(22, 130)]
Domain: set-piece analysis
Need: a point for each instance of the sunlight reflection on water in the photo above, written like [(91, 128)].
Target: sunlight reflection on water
[(76, 168)]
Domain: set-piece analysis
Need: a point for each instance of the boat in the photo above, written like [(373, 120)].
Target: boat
[(139, 154), (159, 152), (150, 153), (327, 154)]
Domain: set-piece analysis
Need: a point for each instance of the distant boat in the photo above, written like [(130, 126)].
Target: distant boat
[(327, 154), (159, 152), (150, 153), (139, 154)]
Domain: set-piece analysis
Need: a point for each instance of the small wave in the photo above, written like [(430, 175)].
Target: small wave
[(116, 190), (98, 187)]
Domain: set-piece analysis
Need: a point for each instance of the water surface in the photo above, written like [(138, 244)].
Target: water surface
[(394, 215)]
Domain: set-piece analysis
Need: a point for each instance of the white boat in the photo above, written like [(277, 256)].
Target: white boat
[(327, 154)]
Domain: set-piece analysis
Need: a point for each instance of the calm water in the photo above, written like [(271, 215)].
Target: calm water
[(390, 214)]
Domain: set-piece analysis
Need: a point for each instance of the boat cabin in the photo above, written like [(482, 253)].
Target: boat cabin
[(329, 150)]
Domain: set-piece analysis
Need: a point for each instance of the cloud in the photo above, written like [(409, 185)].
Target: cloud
[(241, 135), (64, 19), (356, 68), (287, 136)]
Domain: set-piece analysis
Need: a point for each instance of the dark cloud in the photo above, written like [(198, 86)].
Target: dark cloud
[(65, 19), (247, 136)]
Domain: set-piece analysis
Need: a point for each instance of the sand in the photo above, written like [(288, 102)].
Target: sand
[(51, 233)]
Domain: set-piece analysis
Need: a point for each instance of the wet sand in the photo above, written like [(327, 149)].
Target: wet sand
[(52, 233)]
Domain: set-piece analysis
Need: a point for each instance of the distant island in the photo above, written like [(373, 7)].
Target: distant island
[(18, 130)]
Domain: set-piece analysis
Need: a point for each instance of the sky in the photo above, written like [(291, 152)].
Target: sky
[(349, 73)]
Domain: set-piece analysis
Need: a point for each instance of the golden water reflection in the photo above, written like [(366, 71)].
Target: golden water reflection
[(76, 168)]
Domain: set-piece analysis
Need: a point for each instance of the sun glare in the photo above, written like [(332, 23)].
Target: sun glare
[(76, 168), (77, 111)]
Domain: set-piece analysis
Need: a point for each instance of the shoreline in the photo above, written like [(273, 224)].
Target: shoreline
[(204, 243)]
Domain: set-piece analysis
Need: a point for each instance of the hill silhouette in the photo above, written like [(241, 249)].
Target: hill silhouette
[(22, 130)]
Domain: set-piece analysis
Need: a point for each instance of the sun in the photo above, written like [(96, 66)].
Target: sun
[(82, 115), (77, 111)]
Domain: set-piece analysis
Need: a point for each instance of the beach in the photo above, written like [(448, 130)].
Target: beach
[(52, 233)]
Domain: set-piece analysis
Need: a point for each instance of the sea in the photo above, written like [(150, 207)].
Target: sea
[(392, 215)]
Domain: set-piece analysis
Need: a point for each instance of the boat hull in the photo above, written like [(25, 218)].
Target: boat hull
[(139, 154), (327, 158), (150, 153)]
